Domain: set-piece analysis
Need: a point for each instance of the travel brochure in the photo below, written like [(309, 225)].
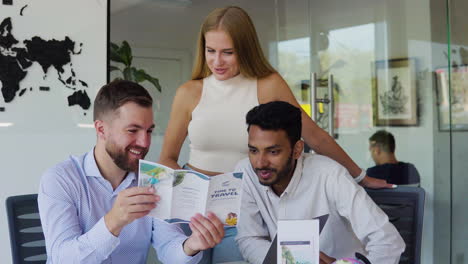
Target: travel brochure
[(185, 192)]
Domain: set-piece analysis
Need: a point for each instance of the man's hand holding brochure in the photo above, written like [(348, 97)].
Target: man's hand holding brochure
[(186, 193)]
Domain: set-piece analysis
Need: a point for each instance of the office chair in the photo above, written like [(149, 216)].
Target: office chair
[(26, 237), (405, 209)]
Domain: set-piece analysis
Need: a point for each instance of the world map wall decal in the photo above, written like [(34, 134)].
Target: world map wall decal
[(53, 55)]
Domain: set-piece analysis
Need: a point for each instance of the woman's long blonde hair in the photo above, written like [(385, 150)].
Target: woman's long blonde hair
[(238, 25)]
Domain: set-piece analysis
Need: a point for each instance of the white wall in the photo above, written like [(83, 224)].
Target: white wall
[(44, 129)]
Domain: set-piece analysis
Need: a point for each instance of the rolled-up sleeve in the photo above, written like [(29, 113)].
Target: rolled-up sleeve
[(382, 241)]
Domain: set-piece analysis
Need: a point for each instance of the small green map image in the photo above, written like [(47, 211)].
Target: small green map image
[(153, 174)]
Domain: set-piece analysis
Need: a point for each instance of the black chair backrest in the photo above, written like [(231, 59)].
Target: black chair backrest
[(26, 236), (405, 209)]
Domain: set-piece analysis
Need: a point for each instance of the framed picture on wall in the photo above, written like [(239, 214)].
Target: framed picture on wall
[(394, 95), (452, 98)]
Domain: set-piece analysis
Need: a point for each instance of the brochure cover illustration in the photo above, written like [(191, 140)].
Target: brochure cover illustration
[(184, 193), (298, 242), (271, 256)]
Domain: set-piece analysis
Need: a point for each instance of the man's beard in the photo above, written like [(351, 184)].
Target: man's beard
[(121, 157), (279, 175)]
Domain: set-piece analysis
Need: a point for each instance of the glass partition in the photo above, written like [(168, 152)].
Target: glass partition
[(378, 57), (458, 123)]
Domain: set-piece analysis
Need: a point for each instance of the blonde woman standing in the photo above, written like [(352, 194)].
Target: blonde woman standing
[(231, 75)]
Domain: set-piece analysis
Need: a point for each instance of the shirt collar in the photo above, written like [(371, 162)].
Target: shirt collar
[(295, 180), (91, 169), (90, 166)]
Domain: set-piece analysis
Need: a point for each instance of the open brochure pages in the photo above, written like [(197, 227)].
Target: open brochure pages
[(185, 192)]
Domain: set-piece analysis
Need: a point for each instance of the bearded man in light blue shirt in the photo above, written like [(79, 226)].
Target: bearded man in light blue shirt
[(90, 206)]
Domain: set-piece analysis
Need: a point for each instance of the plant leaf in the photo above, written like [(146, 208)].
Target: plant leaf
[(114, 54), (113, 68), (129, 74), (114, 46), (123, 54), (141, 76), (126, 53)]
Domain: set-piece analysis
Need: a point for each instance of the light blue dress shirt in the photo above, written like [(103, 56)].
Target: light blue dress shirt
[(73, 199)]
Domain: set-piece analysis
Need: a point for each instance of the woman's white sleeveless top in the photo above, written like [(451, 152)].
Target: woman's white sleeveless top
[(218, 132)]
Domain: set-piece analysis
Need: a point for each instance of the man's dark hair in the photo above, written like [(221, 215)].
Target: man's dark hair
[(277, 115), (117, 93), (384, 140)]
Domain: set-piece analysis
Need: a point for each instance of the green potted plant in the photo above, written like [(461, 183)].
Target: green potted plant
[(123, 54)]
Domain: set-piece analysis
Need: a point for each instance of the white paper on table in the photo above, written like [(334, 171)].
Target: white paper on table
[(298, 241)]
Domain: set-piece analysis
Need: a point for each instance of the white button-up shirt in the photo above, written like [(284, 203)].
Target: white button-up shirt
[(319, 186)]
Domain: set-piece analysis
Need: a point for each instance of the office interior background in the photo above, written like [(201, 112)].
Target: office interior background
[(355, 41)]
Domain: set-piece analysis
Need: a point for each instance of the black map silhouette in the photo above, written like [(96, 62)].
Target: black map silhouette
[(16, 57)]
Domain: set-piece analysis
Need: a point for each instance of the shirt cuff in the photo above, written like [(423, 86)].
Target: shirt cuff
[(188, 259), (102, 240), (361, 176)]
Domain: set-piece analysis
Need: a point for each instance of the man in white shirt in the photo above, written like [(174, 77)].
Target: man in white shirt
[(282, 183)]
